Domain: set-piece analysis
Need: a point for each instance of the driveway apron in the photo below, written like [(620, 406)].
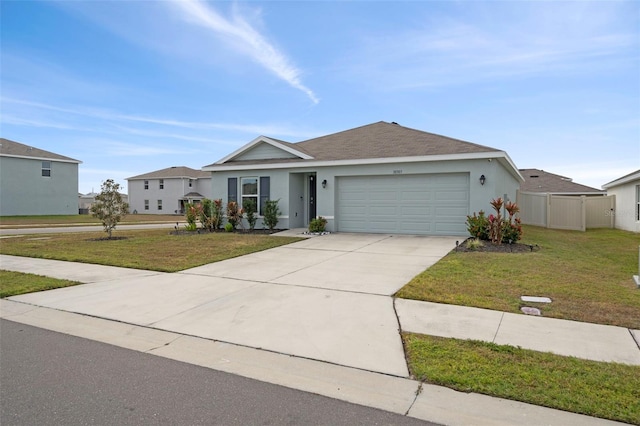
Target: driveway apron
[(324, 298)]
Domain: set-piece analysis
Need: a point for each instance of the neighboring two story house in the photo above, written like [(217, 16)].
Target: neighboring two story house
[(36, 182), (166, 191)]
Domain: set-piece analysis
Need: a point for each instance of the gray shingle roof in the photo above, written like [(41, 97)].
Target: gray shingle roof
[(384, 140), (540, 181), (377, 140), (173, 172), (11, 148)]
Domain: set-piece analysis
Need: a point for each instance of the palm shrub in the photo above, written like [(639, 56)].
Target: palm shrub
[(271, 213), (495, 222), (217, 214), (249, 206), (234, 214)]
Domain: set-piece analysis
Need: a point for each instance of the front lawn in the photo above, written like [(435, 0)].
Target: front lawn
[(600, 389), (588, 275), (81, 219), (14, 283), (155, 250)]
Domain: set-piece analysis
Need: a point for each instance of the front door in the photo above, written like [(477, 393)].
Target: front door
[(312, 197)]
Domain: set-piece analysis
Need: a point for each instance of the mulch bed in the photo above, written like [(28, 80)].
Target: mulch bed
[(237, 231), (108, 239), (497, 248)]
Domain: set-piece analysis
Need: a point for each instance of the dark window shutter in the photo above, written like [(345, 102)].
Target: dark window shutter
[(232, 190), (265, 192)]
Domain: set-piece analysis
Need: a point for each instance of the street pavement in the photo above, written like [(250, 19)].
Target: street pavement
[(50, 378), (314, 315)]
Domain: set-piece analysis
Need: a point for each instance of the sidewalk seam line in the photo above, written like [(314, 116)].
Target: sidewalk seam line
[(495, 336), (633, 337)]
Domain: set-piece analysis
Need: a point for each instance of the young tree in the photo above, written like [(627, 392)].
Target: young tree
[(109, 206)]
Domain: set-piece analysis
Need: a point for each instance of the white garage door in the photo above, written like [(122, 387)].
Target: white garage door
[(430, 204)]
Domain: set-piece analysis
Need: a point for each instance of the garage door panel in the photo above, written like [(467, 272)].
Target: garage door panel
[(452, 195), (410, 204), (382, 211)]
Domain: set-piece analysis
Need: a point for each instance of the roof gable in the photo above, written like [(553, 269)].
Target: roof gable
[(536, 180), (9, 148), (264, 148)]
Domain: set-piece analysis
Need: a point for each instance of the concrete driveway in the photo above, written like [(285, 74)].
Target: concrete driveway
[(324, 298)]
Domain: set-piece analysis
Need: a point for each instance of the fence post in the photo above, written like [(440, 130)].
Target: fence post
[(613, 211), (548, 218), (583, 212)]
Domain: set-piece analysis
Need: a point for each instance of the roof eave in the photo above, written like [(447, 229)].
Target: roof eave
[(27, 157), (621, 181), (499, 155)]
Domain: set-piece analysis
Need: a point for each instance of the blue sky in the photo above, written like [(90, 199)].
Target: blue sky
[(129, 87)]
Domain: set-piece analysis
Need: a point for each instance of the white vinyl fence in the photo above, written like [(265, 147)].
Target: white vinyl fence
[(565, 211)]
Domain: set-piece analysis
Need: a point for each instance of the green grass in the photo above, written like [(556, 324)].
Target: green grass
[(600, 389), (588, 275), (154, 250), (79, 219), (14, 283)]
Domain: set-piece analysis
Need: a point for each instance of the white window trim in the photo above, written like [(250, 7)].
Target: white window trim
[(45, 168), (255, 196)]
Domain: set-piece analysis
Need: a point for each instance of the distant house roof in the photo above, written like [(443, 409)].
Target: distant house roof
[(173, 172), (624, 179), (9, 148), (536, 180), (379, 141)]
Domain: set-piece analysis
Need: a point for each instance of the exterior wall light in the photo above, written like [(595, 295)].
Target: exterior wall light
[(324, 183), (482, 180)]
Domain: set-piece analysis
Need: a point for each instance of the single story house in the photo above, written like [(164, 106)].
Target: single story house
[(380, 178), (536, 180), (627, 192), (166, 191), (36, 182)]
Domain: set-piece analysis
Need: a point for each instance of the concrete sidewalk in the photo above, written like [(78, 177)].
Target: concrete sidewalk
[(569, 338), (321, 307)]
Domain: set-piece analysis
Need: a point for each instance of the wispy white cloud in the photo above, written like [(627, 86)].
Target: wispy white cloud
[(107, 115), (445, 51), (122, 149), (248, 41)]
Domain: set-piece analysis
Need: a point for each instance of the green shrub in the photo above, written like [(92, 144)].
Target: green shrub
[(496, 228), (229, 227), (271, 213), (318, 224), (478, 226), (192, 212), (249, 206)]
